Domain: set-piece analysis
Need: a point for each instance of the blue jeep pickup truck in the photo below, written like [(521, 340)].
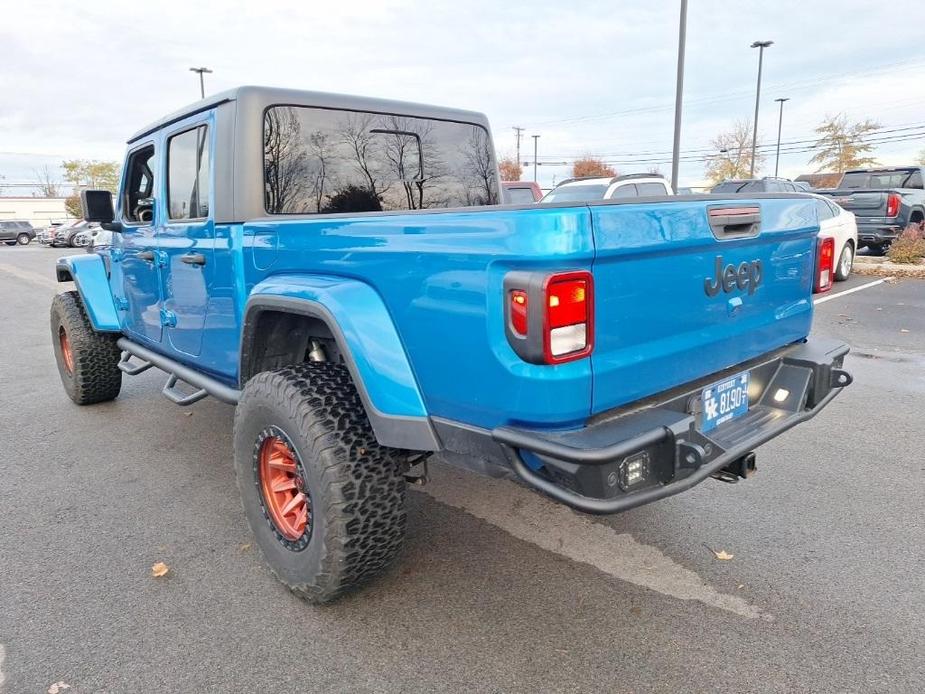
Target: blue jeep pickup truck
[(341, 271)]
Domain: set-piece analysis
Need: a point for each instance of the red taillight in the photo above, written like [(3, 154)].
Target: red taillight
[(825, 264), (892, 204), (568, 330), (519, 312)]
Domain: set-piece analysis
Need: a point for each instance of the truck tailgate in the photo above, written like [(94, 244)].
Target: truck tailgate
[(866, 203), (662, 319)]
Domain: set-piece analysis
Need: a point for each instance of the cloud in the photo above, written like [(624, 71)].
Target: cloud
[(111, 67)]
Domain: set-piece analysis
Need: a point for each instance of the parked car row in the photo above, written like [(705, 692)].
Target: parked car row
[(14, 231), (74, 234), (835, 222)]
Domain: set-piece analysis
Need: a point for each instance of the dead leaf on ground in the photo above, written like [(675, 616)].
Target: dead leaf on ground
[(246, 546), (58, 687), (722, 554), (160, 569)]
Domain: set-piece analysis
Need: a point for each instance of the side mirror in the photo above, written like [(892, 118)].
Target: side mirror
[(97, 207)]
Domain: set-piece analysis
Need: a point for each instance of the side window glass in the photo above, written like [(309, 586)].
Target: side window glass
[(915, 180), (625, 191), (188, 174), (138, 198)]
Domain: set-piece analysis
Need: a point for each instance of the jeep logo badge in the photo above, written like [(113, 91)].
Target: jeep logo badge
[(747, 275)]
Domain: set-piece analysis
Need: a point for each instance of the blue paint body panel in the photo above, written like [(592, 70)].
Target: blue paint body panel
[(89, 274), (419, 297), (368, 331), (439, 277), (656, 327)]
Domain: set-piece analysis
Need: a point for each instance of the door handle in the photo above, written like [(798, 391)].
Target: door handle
[(146, 256), (734, 221), (193, 259)]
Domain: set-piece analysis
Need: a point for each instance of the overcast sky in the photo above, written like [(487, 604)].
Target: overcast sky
[(588, 77)]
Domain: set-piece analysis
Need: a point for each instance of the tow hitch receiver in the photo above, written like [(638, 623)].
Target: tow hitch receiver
[(740, 468)]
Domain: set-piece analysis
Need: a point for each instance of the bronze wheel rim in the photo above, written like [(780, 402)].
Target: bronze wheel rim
[(67, 355), (281, 480)]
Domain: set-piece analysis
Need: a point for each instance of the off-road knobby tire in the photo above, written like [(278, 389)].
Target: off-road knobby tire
[(356, 487), (96, 376)]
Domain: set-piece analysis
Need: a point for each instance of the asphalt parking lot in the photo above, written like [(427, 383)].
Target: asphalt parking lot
[(498, 589)]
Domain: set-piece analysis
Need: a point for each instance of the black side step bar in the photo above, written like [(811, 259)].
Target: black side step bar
[(205, 385)]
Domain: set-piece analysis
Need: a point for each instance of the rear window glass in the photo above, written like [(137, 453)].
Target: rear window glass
[(651, 188), (520, 196), (738, 187), (874, 179), (579, 193), (319, 161)]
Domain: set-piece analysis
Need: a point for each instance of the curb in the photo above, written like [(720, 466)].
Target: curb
[(884, 268)]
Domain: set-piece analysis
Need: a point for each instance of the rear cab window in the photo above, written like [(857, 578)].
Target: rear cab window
[(652, 188), (577, 193), (625, 190), (520, 196), (324, 161)]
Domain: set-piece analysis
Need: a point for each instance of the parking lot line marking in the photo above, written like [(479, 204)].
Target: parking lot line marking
[(553, 527), (2, 658), (852, 290), (28, 276)]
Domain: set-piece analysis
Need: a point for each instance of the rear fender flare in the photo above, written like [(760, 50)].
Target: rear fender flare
[(368, 340), (92, 281)]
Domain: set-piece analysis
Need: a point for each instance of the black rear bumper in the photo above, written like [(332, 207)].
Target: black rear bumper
[(587, 469), (878, 233)]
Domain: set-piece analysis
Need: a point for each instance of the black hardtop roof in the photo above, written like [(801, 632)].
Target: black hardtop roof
[(262, 97)]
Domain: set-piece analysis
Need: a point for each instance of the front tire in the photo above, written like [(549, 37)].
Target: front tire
[(325, 502), (23, 239), (88, 361), (876, 249), (845, 263)]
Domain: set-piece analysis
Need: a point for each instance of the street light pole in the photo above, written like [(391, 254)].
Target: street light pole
[(760, 45), (202, 84), (679, 89), (780, 120), (535, 141)]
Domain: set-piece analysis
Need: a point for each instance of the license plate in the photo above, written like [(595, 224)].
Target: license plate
[(724, 401)]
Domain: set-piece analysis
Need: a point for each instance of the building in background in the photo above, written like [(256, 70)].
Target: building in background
[(39, 211)]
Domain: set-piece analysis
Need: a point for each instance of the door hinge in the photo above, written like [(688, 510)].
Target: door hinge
[(116, 254), (161, 257), (121, 303), (168, 318)]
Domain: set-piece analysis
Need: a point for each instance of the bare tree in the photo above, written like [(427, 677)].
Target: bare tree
[(734, 154), (363, 146), (320, 155), (285, 160), (480, 165), (46, 184)]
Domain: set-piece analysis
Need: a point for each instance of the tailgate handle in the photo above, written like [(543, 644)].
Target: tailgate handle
[(734, 222)]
